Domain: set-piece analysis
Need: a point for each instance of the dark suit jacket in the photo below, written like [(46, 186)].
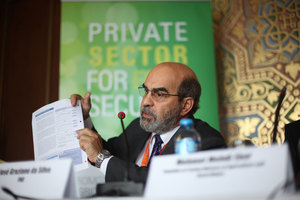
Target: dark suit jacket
[(137, 137)]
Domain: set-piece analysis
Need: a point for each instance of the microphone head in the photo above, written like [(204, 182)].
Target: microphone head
[(283, 91), (121, 115)]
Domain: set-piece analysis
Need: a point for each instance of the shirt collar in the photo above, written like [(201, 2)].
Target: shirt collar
[(166, 136)]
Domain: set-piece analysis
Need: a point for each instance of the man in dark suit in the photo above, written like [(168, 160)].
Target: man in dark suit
[(170, 93)]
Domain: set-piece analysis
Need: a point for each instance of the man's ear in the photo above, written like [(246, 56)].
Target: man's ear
[(187, 104)]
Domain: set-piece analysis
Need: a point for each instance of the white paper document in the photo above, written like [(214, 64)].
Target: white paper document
[(54, 132)]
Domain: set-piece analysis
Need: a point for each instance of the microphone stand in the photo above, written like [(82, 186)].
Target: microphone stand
[(280, 99), (122, 116), (125, 188)]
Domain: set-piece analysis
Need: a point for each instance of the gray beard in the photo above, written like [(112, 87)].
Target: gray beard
[(168, 121)]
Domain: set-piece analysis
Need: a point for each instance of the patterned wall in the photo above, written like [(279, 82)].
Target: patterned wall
[(257, 52)]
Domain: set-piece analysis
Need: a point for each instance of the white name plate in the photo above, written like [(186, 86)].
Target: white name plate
[(231, 173), (52, 179), (87, 180)]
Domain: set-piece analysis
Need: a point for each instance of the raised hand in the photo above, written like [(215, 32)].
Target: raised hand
[(85, 103), (90, 142)]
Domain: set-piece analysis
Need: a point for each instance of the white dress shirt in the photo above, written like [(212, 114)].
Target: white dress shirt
[(164, 136)]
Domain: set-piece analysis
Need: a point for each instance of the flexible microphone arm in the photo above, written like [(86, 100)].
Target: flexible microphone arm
[(121, 116), (125, 188), (280, 99)]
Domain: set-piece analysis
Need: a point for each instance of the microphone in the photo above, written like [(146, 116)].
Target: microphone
[(121, 116), (125, 188), (280, 99)]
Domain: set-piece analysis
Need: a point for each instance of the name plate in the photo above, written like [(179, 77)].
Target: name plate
[(237, 173), (87, 179), (52, 179)]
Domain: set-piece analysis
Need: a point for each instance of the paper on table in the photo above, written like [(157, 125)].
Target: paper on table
[(54, 132)]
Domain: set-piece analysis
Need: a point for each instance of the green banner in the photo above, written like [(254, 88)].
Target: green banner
[(108, 48)]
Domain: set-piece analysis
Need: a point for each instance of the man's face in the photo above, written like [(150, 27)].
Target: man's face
[(160, 114)]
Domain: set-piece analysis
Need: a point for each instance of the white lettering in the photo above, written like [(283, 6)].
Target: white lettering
[(120, 78), (136, 35), (107, 105), (166, 26), (123, 32), (133, 105), (102, 80), (117, 103), (110, 105), (95, 111), (179, 31), (90, 80), (107, 80), (94, 28), (138, 32), (111, 29), (152, 32)]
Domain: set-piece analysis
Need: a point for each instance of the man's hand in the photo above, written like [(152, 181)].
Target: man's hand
[(85, 103), (90, 142)]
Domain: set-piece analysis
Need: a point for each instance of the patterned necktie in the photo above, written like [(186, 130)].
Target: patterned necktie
[(156, 148)]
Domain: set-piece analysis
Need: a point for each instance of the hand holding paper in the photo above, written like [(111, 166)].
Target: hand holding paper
[(90, 142), (85, 103)]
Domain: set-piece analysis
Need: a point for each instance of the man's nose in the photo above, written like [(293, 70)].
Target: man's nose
[(147, 100)]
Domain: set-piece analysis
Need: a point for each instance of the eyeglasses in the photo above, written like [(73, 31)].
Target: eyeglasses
[(156, 93)]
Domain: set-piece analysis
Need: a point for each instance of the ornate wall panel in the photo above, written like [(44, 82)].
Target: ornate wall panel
[(258, 53)]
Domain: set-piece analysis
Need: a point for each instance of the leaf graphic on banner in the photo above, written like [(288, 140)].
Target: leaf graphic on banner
[(248, 125), (292, 69)]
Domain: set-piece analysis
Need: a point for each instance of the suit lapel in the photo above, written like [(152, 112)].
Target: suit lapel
[(138, 144)]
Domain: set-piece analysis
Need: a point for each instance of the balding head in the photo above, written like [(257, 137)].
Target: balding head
[(171, 92), (178, 71), (181, 77)]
